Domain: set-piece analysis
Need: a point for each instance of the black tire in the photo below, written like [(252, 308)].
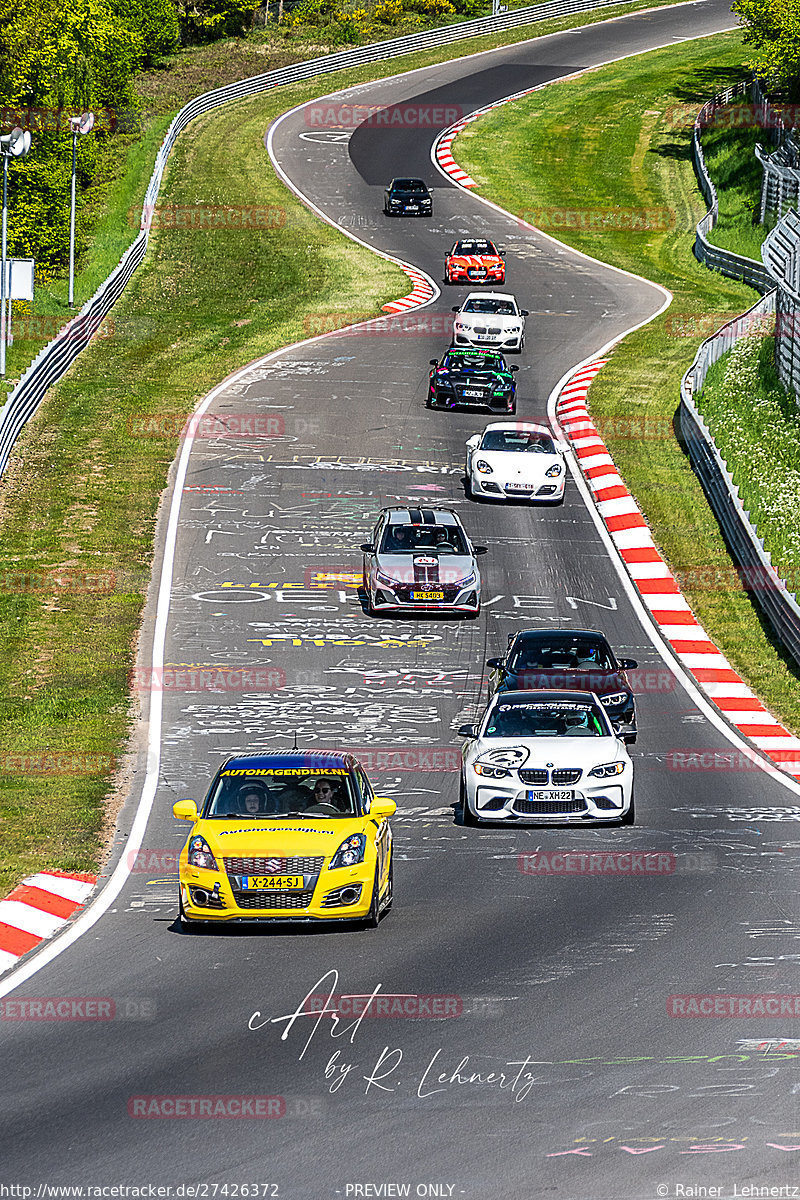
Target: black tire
[(630, 816), (373, 917), (467, 815), (512, 409), (429, 401), (468, 492)]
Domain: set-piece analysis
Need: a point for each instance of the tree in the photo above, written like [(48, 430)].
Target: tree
[(772, 28)]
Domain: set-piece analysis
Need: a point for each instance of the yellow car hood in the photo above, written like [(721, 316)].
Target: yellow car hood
[(281, 837)]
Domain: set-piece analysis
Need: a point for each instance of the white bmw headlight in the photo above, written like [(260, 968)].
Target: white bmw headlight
[(607, 770)]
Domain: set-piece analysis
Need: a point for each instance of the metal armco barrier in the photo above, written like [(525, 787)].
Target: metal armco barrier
[(55, 358), (735, 266), (746, 547)]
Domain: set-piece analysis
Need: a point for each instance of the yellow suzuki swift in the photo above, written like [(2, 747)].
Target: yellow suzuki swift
[(290, 836)]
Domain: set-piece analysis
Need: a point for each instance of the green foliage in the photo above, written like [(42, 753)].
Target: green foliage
[(429, 8), (772, 28), (470, 8), (156, 22), (206, 20)]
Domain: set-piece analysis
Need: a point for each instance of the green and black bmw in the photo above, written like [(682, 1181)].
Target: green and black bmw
[(472, 379)]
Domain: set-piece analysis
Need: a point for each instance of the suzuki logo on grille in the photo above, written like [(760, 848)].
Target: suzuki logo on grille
[(273, 864)]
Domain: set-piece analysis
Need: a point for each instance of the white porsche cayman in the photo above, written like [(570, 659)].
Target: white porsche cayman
[(550, 757), (515, 460)]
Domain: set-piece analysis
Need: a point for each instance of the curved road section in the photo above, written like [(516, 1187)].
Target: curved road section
[(549, 1023)]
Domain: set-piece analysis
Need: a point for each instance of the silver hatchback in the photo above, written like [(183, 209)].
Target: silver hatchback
[(421, 560)]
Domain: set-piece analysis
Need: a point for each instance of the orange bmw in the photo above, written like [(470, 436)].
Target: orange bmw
[(474, 260)]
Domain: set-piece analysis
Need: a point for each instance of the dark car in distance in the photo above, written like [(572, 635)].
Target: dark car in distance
[(407, 197), (568, 659)]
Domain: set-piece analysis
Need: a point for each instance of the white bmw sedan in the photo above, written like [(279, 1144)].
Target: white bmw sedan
[(515, 460), (548, 757), (490, 319)]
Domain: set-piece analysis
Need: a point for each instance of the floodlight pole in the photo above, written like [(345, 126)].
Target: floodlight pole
[(72, 220), (80, 125)]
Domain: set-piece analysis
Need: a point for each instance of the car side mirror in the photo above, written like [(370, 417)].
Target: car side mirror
[(627, 664), (513, 368), (382, 806), (434, 362), (524, 312), (468, 731), (367, 548), (628, 737), (476, 550), (184, 810), (456, 308), (495, 662), (502, 253), (474, 441)]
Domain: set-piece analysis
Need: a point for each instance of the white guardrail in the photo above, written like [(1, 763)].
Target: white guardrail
[(55, 359)]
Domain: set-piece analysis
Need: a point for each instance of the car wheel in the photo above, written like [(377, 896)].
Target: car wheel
[(429, 401), (369, 607), (512, 408), (629, 818), (468, 492), (374, 915), (467, 815)]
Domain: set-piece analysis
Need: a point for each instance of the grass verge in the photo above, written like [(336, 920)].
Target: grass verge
[(756, 424), (732, 164), (615, 122)]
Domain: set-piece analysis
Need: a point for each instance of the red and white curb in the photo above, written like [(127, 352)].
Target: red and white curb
[(38, 908), (657, 585), (444, 155), (422, 293)]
